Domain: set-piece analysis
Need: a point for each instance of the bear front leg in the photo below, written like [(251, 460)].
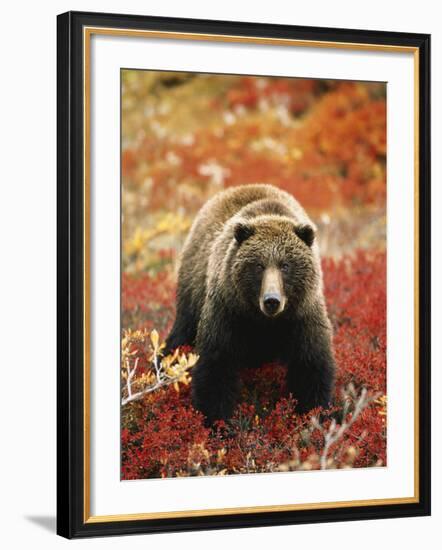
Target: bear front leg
[(185, 326), (182, 333), (311, 367), (215, 383), (215, 377)]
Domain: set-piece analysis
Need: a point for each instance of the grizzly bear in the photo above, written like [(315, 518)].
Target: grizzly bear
[(250, 291)]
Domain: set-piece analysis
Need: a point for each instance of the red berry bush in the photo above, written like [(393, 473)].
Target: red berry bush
[(162, 435)]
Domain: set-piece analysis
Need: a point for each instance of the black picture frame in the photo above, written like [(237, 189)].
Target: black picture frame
[(71, 520)]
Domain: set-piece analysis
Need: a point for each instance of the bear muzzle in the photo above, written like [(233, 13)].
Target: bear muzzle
[(272, 298)]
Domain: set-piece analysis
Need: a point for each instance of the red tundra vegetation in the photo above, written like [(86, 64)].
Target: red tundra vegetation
[(184, 138)]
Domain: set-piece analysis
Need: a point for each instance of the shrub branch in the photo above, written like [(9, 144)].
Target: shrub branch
[(335, 432), (160, 371)]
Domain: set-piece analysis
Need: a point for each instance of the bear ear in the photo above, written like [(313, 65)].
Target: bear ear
[(242, 232), (306, 233)]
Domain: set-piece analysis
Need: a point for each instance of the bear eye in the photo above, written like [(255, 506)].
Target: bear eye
[(260, 267), (285, 267)]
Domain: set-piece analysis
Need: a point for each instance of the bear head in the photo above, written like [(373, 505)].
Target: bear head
[(274, 267)]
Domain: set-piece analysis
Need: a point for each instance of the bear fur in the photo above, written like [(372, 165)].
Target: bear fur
[(250, 291)]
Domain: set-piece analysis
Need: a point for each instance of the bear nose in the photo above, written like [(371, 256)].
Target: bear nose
[(271, 303)]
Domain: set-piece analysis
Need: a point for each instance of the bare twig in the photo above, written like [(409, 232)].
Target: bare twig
[(130, 375), (334, 432), (140, 394)]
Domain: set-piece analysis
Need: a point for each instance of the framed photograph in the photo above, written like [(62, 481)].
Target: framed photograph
[(243, 274)]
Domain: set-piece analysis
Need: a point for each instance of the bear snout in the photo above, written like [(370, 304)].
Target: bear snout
[(272, 299)]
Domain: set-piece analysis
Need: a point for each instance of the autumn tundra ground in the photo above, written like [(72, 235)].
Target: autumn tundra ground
[(185, 137)]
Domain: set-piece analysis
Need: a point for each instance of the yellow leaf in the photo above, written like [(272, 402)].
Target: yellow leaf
[(221, 454), (170, 371), (154, 338), (192, 359)]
